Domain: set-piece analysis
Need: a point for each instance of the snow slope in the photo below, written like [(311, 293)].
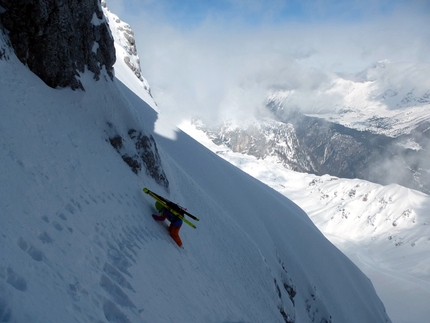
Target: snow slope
[(77, 242), (385, 230)]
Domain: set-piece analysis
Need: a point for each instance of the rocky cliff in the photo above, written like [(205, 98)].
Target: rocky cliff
[(59, 39)]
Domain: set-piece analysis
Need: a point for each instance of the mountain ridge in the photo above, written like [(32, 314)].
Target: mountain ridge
[(389, 98), (312, 144)]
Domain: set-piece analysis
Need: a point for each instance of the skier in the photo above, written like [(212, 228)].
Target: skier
[(175, 222)]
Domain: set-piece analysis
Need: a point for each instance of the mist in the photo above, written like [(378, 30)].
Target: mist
[(218, 66), (218, 70)]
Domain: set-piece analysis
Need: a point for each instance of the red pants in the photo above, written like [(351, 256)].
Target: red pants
[(173, 230), (174, 233)]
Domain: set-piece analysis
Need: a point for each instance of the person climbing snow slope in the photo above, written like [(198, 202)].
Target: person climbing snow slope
[(175, 222)]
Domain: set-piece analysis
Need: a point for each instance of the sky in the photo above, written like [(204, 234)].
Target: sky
[(211, 58)]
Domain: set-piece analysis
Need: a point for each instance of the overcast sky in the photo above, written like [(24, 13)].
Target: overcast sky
[(213, 57)]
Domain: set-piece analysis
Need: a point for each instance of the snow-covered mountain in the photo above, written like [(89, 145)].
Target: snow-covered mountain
[(265, 139), (314, 145), (374, 125), (77, 242), (385, 230), (388, 98)]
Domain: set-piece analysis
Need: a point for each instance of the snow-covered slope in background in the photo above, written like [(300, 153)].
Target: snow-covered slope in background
[(388, 98), (77, 242), (385, 230)]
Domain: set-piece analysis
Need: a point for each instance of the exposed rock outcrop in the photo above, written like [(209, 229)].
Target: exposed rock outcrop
[(139, 150), (59, 39), (4, 45)]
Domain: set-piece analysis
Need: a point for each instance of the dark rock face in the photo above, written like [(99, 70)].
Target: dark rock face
[(349, 153), (4, 46), (140, 152), (267, 139), (57, 39), (338, 150)]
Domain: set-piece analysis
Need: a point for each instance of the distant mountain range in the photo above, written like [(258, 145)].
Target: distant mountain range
[(375, 127)]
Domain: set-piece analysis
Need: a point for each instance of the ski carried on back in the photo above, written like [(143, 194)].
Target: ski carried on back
[(176, 209)]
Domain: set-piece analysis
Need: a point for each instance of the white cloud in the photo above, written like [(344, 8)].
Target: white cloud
[(222, 67)]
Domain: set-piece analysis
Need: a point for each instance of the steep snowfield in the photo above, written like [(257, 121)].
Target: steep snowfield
[(77, 241), (385, 230)]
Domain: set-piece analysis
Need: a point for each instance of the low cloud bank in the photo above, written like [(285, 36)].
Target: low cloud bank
[(221, 68)]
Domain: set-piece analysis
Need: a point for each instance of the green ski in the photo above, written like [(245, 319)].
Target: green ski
[(172, 207), (172, 204)]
